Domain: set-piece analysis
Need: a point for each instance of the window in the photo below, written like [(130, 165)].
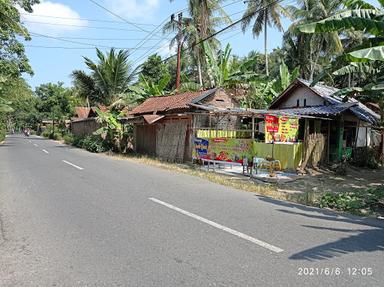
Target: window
[(305, 102), (298, 103)]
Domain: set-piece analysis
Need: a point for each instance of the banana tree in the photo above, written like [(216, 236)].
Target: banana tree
[(365, 58)]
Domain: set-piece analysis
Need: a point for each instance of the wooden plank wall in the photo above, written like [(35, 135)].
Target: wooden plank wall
[(84, 127), (145, 140), (170, 141)]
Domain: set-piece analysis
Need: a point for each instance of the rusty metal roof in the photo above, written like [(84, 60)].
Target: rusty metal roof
[(82, 112), (163, 104)]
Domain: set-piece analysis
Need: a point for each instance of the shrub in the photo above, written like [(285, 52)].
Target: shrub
[(68, 138), (94, 144), (2, 135), (55, 136), (46, 133), (371, 200), (366, 157), (78, 141)]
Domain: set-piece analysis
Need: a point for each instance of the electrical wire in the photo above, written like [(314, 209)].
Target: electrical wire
[(118, 16), (84, 19), (81, 43), (75, 48), (225, 28), (82, 26), (97, 39)]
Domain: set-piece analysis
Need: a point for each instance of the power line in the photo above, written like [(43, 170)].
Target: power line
[(84, 19), (79, 43), (74, 48), (141, 57), (226, 28), (118, 16), (82, 26), (98, 39)]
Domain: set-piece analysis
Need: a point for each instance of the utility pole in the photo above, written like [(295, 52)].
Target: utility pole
[(179, 44)]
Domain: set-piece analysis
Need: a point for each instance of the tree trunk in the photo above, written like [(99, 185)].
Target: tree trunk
[(266, 42), (199, 71)]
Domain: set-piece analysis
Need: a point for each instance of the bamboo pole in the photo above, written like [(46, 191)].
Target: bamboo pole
[(253, 127)]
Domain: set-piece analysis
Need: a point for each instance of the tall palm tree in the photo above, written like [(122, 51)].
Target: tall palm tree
[(110, 77), (310, 49), (266, 13), (205, 15)]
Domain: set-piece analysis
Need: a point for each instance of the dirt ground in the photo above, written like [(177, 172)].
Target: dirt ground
[(328, 181)]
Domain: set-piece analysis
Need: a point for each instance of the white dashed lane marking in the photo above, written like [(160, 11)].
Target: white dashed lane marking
[(74, 165), (221, 227)]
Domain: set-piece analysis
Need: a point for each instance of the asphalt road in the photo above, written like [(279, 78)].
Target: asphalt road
[(72, 218)]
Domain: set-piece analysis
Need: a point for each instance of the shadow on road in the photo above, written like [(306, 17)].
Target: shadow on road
[(362, 240)]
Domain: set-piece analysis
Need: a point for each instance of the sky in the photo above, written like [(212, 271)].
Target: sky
[(65, 31)]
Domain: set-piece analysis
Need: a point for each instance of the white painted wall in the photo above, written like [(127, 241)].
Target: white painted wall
[(300, 94), (373, 137)]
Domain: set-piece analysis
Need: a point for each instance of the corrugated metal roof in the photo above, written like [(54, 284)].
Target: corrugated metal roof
[(324, 110), (167, 103), (359, 110), (305, 112), (150, 119)]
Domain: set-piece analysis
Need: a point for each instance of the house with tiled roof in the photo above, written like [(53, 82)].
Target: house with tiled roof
[(163, 125), (84, 123), (345, 122)]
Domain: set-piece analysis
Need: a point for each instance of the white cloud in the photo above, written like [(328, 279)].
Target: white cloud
[(61, 16), (133, 9)]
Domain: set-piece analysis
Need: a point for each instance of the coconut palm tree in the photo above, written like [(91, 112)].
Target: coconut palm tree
[(310, 49), (205, 15), (110, 77), (266, 13)]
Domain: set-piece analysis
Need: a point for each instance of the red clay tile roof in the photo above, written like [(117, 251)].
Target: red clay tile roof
[(166, 103)]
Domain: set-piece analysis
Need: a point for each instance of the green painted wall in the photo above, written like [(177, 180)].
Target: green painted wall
[(289, 155)]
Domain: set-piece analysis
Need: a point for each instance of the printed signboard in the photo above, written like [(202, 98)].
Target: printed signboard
[(223, 149), (281, 129)]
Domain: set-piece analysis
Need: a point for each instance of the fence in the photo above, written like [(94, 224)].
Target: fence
[(84, 127)]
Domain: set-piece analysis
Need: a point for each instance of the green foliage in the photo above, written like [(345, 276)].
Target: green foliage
[(68, 138), (358, 201), (260, 94), (112, 131), (110, 77), (2, 133), (51, 133), (78, 141), (365, 60), (13, 61), (54, 102), (146, 88), (310, 52), (366, 157), (154, 69), (285, 79), (94, 143), (219, 64)]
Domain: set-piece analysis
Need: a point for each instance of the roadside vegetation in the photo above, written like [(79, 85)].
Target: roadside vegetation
[(369, 201), (337, 42)]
